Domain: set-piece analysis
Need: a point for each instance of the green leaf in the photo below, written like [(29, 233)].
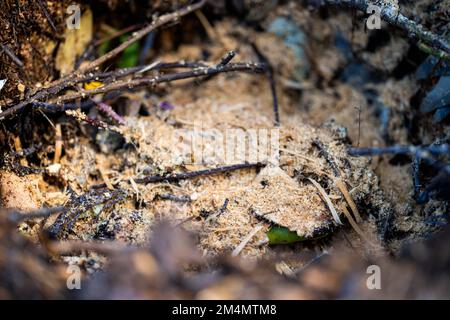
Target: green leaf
[(282, 235), (130, 56), (104, 48)]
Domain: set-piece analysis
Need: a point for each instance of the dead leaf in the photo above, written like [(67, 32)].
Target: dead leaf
[(75, 43)]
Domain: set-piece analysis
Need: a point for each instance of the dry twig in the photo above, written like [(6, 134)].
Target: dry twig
[(390, 14), (152, 81), (56, 86), (190, 175)]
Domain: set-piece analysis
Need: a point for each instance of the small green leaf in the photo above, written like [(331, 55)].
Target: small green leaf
[(282, 235), (130, 56), (104, 48)]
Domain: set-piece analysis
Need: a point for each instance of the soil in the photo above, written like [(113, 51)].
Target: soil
[(334, 89)]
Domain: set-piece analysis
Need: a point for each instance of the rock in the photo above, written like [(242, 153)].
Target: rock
[(295, 39)]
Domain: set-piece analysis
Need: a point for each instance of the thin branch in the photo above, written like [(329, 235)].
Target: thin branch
[(107, 110), (110, 76), (434, 52), (43, 8), (117, 34), (223, 62), (107, 247), (270, 75), (427, 153), (324, 152), (418, 151), (338, 178), (152, 81), (390, 14), (194, 174), (56, 86), (17, 217), (11, 55), (142, 33), (190, 175)]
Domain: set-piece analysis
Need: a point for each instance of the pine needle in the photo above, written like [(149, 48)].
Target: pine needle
[(327, 200), (355, 226), (244, 242), (341, 186)]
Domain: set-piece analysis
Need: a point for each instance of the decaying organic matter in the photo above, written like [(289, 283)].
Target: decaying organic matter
[(101, 167)]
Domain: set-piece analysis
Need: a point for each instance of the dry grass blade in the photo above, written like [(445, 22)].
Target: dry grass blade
[(327, 200), (356, 227), (58, 143), (341, 186), (244, 242)]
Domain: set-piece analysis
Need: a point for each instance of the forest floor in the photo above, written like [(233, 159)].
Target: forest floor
[(143, 216)]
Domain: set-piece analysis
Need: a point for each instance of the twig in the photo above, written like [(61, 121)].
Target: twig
[(106, 109), (51, 107), (434, 52), (324, 152), (189, 175), (212, 34), (108, 247), (224, 206), (390, 14), (416, 176), (160, 21), (270, 74), (56, 86), (417, 151), (171, 197), (193, 174), (338, 178), (168, 65), (43, 8), (427, 153), (17, 217), (80, 116), (200, 69), (11, 54), (121, 73), (227, 58), (223, 62), (341, 186), (152, 81), (117, 34)]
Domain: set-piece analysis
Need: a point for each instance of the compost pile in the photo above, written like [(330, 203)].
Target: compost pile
[(98, 173)]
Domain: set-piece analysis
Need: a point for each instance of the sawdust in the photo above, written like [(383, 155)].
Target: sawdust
[(278, 194), (20, 193)]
